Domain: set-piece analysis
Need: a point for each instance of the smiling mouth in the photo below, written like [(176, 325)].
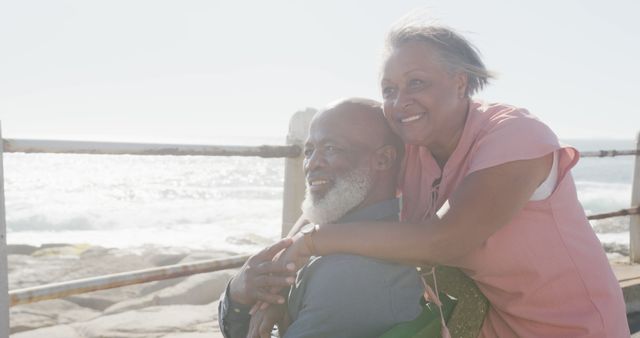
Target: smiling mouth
[(411, 118), (317, 183)]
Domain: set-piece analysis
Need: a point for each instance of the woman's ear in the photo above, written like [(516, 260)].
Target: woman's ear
[(462, 81), (385, 157)]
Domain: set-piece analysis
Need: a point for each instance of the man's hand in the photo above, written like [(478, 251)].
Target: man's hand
[(263, 321), (259, 274), (292, 259)]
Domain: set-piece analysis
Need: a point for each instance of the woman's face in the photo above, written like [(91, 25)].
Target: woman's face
[(422, 99)]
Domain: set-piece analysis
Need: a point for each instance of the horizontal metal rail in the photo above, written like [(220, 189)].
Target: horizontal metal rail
[(609, 153), (64, 289), (119, 148), (619, 213)]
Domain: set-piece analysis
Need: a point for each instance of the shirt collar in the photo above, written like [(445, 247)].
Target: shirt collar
[(385, 210)]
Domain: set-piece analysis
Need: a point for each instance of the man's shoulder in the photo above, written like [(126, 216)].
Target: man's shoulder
[(350, 271)]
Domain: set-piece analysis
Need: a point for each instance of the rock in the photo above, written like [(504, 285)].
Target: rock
[(27, 271), (90, 300), (159, 285), (68, 250), (618, 248), (196, 289), (16, 262), (53, 245), (160, 256), (20, 249), (195, 335), (59, 331), (166, 259), (103, 299), (47, 313), (152, 322), (203, 255), (81, 315), (98, 251)]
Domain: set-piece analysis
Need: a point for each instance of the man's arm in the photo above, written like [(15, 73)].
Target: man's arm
[(233, 317), (251, 284)]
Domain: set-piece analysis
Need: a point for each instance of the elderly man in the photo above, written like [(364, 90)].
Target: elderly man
[(351, 163)]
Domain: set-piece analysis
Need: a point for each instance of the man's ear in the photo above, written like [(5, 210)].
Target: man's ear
[(385, 157)]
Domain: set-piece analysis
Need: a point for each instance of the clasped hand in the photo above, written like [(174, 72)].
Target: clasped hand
[(260, 275), (262, 278)]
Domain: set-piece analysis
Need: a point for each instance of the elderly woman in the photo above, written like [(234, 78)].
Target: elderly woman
[(486, 188)]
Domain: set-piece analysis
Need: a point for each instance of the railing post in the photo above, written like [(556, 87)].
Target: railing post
[(294, 184), (4, 271), (634, 222)]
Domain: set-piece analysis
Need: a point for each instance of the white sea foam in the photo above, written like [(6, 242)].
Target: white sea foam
[(126, 201), (597, 197)]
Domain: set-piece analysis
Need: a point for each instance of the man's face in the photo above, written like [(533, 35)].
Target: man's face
[(336, 166), (332, 149)]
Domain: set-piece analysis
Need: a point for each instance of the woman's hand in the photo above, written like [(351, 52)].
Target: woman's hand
[(297, 253)]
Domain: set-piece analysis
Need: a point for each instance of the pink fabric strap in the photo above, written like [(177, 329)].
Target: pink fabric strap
[(434, 297)]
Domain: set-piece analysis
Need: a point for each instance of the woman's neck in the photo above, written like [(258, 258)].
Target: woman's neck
[(441, 151)]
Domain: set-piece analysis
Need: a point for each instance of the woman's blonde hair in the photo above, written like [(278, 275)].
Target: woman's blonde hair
[(455, 52)]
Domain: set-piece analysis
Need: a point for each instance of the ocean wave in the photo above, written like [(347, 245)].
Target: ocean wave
[(190, 201), (599, 197)]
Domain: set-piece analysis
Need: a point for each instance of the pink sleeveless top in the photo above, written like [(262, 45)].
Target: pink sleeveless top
[(545, 273)]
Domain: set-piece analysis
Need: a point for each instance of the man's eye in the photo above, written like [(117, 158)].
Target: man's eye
[(415, 82), (387, 92), (308, 152), (331, 149)]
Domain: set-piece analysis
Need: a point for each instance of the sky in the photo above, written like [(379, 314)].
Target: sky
[(205, 71)]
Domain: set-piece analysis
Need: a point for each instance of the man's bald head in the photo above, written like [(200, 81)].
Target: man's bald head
[(351, 159), (363, 119)]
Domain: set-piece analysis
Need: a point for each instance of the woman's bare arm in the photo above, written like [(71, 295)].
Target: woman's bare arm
[(484, 202)]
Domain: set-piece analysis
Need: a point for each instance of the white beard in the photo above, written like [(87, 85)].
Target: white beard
[(349, 190)]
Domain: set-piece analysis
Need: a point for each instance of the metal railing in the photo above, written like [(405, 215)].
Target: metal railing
[(610, 153), (293, 193), (114, 148), (64, 289), (292, 197)]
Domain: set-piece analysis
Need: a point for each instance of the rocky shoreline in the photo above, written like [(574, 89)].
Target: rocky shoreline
[(177, 308)]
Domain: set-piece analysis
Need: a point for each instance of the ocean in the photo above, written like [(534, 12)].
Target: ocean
[(222, 203)]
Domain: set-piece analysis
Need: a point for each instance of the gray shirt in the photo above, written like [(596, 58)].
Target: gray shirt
[(347, 295)]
